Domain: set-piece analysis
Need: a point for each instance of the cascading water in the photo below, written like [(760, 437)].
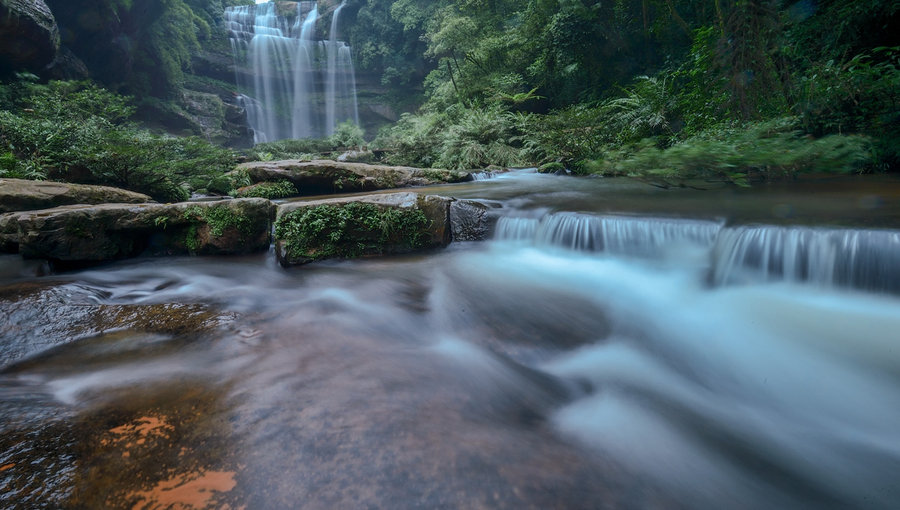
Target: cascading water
[(865, 259), (279, 63), (340, 82), (861, 259), (604, 350)]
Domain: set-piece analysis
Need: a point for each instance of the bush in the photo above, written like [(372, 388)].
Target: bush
[(75, 131), (459, 139), (764, 150), (270, 190)]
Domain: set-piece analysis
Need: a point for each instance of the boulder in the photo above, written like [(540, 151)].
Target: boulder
[(29, 37), (360, 226), (25, 195), (92, 233), (470, 219), (325, 176)]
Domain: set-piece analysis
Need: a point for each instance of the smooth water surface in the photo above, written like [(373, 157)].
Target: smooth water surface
[(581, 359)]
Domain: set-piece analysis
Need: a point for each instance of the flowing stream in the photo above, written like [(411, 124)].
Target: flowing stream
[(612, 346)]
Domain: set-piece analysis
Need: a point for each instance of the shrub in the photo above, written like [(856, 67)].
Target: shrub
[(270, 190)]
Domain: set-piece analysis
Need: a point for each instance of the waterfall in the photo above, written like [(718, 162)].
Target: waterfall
[(340, 81), (279, 65), (860, 259), (865, 259), (611, 234)]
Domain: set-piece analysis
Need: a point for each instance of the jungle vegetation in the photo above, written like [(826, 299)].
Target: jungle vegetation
[(669, 90)]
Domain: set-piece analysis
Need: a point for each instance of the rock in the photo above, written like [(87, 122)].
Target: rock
[(86, 233), (66, 66), (29, 37), (360, 226), (469, 219), (326, 176), (25, 195)]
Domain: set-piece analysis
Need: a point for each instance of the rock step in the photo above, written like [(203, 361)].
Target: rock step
[(26, 195), (305, 231), (93, 233), (322, 177)]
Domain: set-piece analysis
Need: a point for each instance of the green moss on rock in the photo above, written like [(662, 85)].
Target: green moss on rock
[(350, 230)]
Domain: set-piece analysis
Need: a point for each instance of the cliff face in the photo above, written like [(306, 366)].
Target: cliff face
[(29, 37)]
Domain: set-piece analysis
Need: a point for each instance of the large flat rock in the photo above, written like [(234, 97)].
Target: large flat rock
[(91, 233), (25, 195), (321, 177), (349, 227)]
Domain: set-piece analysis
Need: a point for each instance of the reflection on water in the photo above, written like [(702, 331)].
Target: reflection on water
[(504, 374)]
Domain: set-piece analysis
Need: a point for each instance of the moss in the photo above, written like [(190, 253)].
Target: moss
[(270, 190), (217, 220), (351, 230)]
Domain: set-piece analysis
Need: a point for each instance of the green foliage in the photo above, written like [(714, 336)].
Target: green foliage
[(270, 190), (347, 135), (458, 139), (76, 131), (219, 219), (765, 150), (646, 110), (351, 230)]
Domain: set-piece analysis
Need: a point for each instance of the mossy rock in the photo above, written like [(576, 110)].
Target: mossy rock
[(82, 233), (361, 226)]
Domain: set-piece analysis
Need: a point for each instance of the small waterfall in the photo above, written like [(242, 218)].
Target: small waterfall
[(860, 259), (483, 176), (612, 234), (279, 62), (864, 259)]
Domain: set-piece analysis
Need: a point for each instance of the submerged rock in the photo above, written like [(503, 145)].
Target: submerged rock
[(360, 226), (325, 176), (25, 195), (91, 233)]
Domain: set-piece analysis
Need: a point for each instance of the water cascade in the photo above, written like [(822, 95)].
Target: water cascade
[(340, 82), (861, 259), (281, 67)]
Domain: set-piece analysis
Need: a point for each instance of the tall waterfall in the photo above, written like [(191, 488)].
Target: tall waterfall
[(293, 85), (340, 82)]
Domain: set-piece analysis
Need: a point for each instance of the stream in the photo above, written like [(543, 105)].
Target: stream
[(613, 345)]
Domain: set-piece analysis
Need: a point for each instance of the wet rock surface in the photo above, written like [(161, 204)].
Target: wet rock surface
[(470, 219), (25, 195), (325, 176), (83, 233)]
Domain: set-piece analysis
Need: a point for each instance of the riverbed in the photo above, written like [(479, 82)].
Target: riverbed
[(613, 345)]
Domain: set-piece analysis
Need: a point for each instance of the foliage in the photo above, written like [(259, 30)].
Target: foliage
[(458, 139), (350, 230), (347, 135), (764, 150), (270, 190), (76, 131)]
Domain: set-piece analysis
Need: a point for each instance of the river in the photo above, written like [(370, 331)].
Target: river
[(614, 345)]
